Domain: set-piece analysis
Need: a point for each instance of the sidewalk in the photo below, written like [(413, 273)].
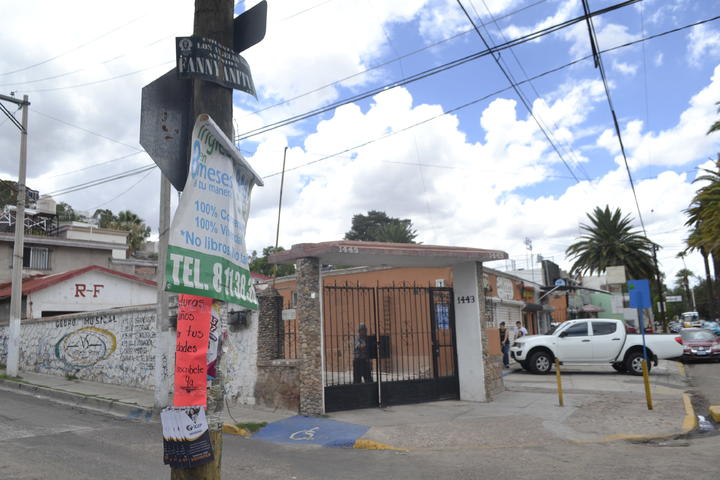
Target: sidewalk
[(599, 406)]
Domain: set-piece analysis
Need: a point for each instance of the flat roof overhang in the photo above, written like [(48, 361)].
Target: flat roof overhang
[(375, 254)]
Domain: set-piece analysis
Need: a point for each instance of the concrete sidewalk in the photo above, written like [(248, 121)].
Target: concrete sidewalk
[(600, 405)]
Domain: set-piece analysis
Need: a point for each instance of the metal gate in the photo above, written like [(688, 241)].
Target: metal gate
[(407, 356)]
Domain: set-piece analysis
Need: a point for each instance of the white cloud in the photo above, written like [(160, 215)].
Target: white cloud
[(703, 44), (678, 145), (565, 11), (658, 61), (608, 35), (624, 68)]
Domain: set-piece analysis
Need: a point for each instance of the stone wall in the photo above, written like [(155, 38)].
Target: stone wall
[(277, 384), (312, 400)]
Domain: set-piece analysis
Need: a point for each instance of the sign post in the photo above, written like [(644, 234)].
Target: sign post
[(640, 298)]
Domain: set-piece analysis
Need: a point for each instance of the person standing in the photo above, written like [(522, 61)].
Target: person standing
[(520, 331), (362, 372), (505, 344)]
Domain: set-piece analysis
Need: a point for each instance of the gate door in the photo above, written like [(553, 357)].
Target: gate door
[(408, 355)]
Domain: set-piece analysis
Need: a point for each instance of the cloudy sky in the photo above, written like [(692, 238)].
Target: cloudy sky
[(457, 151)]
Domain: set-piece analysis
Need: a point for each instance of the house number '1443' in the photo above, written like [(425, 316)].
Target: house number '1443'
[(466, 299)]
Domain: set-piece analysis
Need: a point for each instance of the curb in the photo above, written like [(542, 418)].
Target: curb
[(235, 430), (372, 445), (690, 422), (715, 412), (94, 403)]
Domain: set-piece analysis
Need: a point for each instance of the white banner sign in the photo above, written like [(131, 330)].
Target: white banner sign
[(206, 249)]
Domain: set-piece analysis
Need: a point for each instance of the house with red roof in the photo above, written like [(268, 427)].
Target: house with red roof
[(81, 290)]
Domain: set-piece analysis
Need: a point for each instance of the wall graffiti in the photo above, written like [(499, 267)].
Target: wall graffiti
[(85, 347)]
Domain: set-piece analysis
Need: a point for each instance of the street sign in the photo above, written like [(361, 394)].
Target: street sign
[(674, 298), (165, 125), (559, 282), (206, 59), (206, 249), (249, 27), (639, 291)]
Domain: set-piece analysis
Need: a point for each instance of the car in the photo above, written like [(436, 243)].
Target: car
[(691, 319), (712, 326), (593, 341), (675, 326), (700, 344)]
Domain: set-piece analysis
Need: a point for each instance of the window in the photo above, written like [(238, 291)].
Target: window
[(36, 258), (603, 328), (577, 330)]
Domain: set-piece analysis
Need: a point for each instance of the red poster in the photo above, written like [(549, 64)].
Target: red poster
[(193, 328)]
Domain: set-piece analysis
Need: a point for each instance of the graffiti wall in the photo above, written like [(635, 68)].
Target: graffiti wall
[(118, 346)]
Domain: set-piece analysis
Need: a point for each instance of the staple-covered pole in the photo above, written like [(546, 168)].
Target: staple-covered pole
[(214, 20), (13, 351)]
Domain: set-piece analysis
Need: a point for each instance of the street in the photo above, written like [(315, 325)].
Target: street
[(42, 439)]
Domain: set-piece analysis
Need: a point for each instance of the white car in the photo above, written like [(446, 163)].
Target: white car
[(593, 341)]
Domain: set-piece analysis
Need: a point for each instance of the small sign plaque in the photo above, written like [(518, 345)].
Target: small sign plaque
[(206, 59)]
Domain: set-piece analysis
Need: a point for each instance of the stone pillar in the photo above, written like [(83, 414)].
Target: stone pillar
[(312, 399), (269, 317)]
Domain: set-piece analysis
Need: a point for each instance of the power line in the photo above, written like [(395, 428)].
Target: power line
[(384, 64), (72, 49), (124, 191), (429, 72), (519, 93), (100, 181), (87, 131), (497, 92), (87, 167)]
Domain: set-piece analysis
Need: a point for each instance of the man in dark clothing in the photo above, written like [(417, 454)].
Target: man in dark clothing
[(505, 344), (362, 371)]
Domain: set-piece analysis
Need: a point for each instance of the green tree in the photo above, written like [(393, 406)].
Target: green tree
[(261, 265), (8, 193), (130, 222), (376, 226), (610, 240), (104, 217), (66, 213)]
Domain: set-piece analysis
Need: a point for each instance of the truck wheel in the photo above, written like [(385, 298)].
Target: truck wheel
[(540, 363), (633, 363), (524, 364), (619, 367)]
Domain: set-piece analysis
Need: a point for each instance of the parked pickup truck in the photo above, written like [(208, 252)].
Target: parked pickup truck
[(593, 340)]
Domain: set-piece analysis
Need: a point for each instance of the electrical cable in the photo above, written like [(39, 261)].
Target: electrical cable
[(519, 93), (100, 181), (72, 49), (87, 131), (497, 92), (95, 165), (384, 64), (124, 191), (429, 72), (10, 116)]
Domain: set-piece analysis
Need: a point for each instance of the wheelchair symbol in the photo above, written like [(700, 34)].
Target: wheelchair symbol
[(304, 434)]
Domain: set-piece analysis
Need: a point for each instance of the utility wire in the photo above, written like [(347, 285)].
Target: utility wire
[(87, 167), (11, 116), (384, 64), (72, 49), (599, 64), (46, 115), (519, 93), (100, 181), (497, 92), (124, 191), (429, 72)]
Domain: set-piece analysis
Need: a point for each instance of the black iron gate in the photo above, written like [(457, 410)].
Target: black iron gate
[(408, 354)]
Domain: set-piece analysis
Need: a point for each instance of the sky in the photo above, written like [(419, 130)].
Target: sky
[(456, 151)]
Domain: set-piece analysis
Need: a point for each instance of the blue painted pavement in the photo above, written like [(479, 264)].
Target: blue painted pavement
[(312, 431)]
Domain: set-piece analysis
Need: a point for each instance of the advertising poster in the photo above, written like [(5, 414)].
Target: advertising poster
[(206, 251), (193, 330)]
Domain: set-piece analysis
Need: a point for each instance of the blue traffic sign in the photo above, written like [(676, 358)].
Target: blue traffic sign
[(639, 291)]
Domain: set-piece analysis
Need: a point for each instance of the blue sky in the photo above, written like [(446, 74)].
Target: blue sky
[(484, 176)]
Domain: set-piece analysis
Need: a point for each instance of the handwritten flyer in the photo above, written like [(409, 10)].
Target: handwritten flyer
[(193, 329)]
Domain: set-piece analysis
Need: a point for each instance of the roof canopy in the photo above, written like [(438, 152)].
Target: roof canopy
[(374, 254)]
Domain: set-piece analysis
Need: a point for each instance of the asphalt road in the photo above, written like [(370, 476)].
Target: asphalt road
[(705, 384), (44, 440)]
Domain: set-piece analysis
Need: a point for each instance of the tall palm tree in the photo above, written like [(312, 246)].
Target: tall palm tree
[(132, 223), (610, 240)]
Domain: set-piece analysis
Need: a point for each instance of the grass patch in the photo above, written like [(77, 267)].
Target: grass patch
[(71, 376), (251, 427)]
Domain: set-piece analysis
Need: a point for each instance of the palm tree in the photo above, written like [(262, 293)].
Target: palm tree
[(610, 240), (132, 223)]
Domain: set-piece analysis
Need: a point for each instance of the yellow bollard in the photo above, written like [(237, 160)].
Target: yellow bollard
[(559, 382), (646, 379)]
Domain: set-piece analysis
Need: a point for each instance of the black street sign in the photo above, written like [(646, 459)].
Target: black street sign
[(165, 125), (249, 27), (206, 59)]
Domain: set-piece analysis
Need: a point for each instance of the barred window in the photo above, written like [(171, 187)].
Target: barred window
[(36, 258)]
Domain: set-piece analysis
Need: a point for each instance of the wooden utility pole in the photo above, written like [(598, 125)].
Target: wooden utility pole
[(214, 20)]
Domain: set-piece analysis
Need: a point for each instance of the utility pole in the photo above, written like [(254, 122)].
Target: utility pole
[(13, 351), (214, 20), (164, 361)]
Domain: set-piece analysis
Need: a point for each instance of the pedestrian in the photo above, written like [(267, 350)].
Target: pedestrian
[(362, 371), (520, 331), (505, 344)]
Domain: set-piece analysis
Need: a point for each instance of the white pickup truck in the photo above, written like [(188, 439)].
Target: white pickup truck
[(593, 341)]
